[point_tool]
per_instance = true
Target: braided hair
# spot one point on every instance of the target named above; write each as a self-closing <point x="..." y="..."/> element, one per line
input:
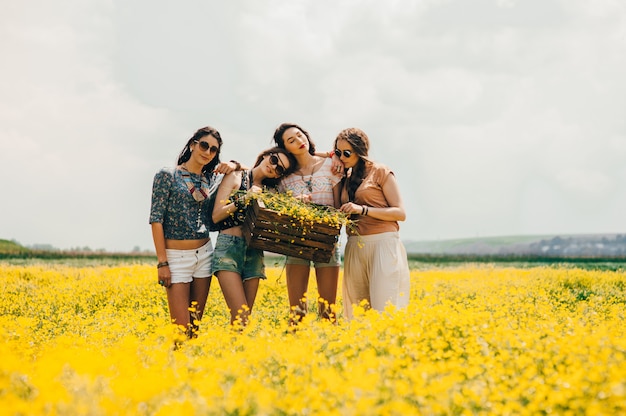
<point x="360" y="145"/>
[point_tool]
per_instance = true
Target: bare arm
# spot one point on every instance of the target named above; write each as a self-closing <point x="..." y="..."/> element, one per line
<point x="223" y="207"/>
<point x="324" y="154"/>
<point x="158" y="236"/>
<point x="395" y="211"/>
<point x="229" y="167"/>
<point x="337" y="168"/>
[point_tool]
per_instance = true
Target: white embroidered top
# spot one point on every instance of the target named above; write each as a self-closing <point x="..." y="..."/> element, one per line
<point x="319" y="185"/>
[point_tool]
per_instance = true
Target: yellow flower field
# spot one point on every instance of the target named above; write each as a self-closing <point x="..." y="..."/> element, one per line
<point x="475" y="340"/>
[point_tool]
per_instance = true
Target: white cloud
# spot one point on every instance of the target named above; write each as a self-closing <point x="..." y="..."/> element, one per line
<point x="81" y="145"/>
<point x="481" y="108"/>
<point x="585" y="183"/>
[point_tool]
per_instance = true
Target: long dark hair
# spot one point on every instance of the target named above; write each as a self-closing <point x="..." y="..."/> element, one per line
<point x="273" y="182"/>
<point x="280" y="130"/>
<point x="185" y="154"/>
<point x="361" y="145"/>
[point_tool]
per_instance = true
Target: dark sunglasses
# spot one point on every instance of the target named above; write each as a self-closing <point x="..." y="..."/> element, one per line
<point x="278" y="164"/>
<point x="346" y="153"/>
<point x="204" y="146"/>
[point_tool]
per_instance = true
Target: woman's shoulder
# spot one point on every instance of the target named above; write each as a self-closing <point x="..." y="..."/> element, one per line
<point x="166" y="172"/>
<point x="380" y="166"/>
<point x="380" y="170"/>
<point x="325" y="164"/>
<point x="326" y="161"/>
<point x="232" y="178"/>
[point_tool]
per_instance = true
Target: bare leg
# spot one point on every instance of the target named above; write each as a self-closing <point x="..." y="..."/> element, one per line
<point x="297" y="285"/>
<point x="200" y="293"/>
<point x="232" y="288"/>
<point x="250" y="288"/>
<point x="178" y="301"/>
<point x="327" y="278"/>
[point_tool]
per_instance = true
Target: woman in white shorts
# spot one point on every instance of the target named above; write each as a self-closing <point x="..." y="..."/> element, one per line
<point x="182" y="199"/>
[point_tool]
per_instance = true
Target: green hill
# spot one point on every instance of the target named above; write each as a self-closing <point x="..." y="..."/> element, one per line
<point x="581" y="246"/>
<point x="470" y="244"/>
<point x="11" y="247"/>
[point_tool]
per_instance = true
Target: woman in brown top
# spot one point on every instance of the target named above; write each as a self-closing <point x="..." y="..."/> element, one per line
<point x="376" y="268"/>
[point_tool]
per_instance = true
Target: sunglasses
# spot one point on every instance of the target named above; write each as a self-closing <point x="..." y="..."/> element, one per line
<point x="346" y="153"/>
<point x="279" y="168"/>
<point x="204" y="146"/>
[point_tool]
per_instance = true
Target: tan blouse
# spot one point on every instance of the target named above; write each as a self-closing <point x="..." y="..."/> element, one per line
<point x="370" y="193"/>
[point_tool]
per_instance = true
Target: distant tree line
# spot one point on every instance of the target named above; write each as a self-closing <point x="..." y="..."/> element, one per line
<point x="614" y="246"/>
<point x="13" y="249"/>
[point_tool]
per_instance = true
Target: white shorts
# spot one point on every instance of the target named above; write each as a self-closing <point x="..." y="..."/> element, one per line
<point x="186" y="265"/>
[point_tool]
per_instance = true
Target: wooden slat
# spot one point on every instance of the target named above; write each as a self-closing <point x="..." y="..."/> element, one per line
<point x="261" y="213"/>
<point x="265" y="230"/>
<point x="292" y="232"/>
<point x="308" y="253"/>
<point x="290" y="239"/>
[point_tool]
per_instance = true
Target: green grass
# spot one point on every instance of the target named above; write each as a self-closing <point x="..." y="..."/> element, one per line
<point x="14" y="253"/>
<point x="426" y="261"/>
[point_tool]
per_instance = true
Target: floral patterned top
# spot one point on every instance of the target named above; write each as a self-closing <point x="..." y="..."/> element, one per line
<point x="175" y="208"/>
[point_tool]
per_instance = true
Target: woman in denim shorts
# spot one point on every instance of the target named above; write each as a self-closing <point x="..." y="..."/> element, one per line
<point x="239" y="268"/>
<point x="182" y="198"/>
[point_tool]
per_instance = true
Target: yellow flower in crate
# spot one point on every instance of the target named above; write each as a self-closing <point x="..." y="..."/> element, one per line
<point x="282" y="224"/>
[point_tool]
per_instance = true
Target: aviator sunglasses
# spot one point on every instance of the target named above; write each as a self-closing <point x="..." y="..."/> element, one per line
<point x="346" y="153"/>
<point x="278" y="164"/>
<point x="204" y="146"/>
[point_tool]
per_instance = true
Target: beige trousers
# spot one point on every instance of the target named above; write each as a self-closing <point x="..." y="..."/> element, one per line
<point x="376" y="269"/>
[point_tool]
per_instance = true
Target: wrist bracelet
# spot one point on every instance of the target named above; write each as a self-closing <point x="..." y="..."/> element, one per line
<point x="162" y="264"/>
<point x="240" y="201"/>
<point x="362" y="209"/>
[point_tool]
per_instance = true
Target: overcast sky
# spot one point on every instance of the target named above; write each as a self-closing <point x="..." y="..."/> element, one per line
<point x="499" y="117"/>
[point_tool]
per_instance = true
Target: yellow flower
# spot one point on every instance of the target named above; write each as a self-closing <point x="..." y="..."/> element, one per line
<point x="473" y="340"/>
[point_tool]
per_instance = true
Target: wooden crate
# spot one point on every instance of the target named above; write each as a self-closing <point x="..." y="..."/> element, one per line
<point x="264" y="229"/>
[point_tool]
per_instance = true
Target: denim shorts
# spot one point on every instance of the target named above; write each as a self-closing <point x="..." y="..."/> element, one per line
<point x="233" y="255"/>
<point x="186" y="265"/>
<point x="333" y="262"/>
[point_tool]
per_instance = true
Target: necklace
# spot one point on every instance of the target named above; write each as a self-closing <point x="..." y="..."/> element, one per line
<point x="200" y="194"/>
<point x="308" y="182"/>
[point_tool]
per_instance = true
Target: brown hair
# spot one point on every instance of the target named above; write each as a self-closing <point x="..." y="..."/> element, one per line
<point x="273" y="182"/>
<point x="361" y="145"/>
<point x="185" y="154"/>
<point x="280" y="130"/>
